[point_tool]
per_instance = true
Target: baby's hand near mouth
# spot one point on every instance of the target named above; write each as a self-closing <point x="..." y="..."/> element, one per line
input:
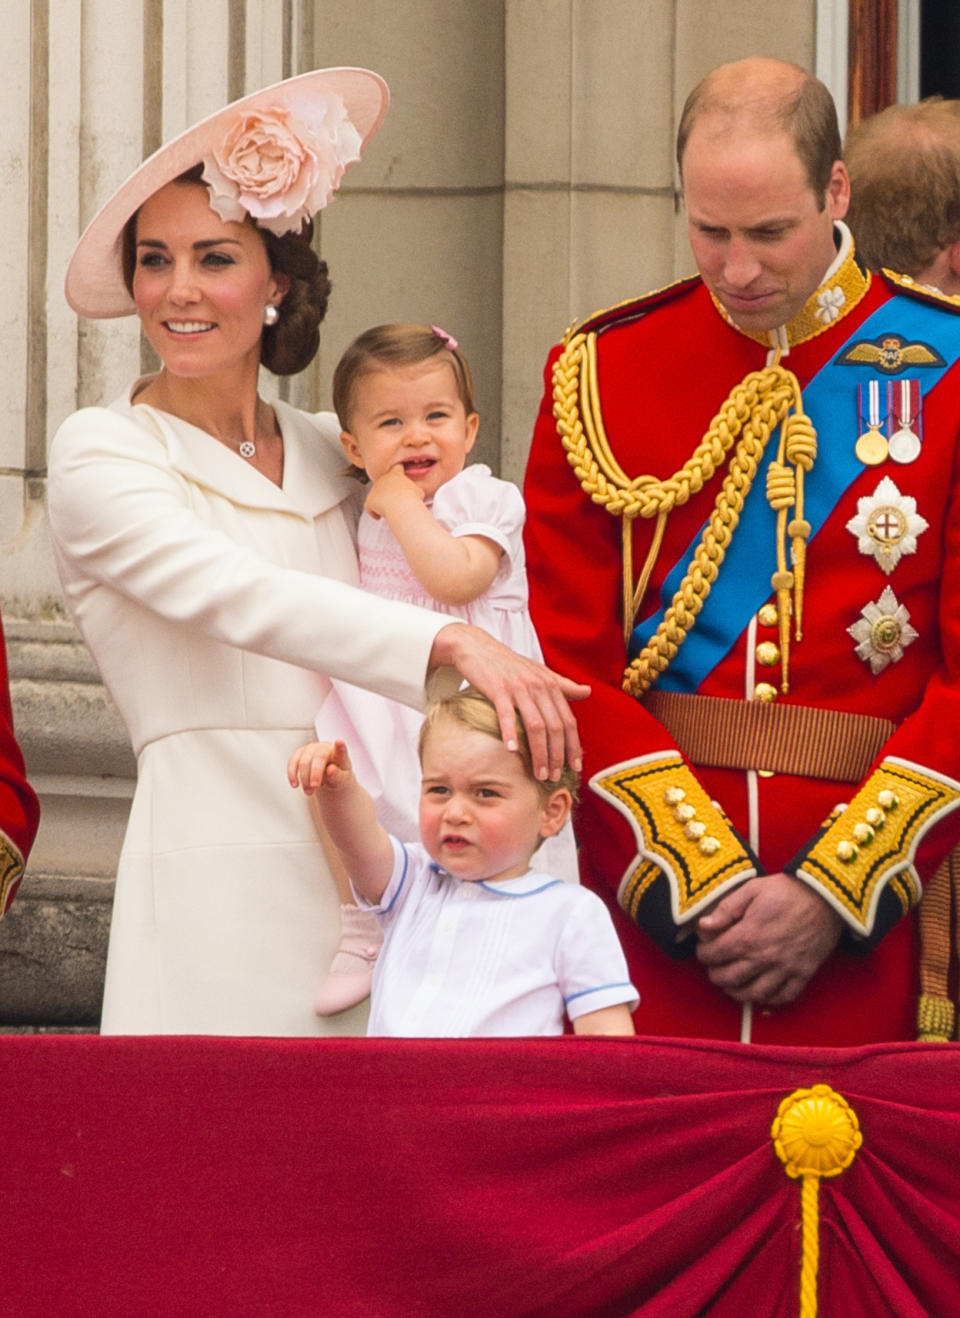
<point x="390" y="491"/>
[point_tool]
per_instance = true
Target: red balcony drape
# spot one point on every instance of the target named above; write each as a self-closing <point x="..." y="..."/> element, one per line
<point x="562" y="1178"/>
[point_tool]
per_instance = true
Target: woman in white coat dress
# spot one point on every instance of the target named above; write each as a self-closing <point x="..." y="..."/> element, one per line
<point x="205" y="544"/>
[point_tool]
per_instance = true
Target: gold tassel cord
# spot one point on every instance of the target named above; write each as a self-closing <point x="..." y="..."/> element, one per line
<point x="939" y="923"/>
<point x="816" y="1136"/>
<point x="796" y="454"/>
<point x="750" y="414"/>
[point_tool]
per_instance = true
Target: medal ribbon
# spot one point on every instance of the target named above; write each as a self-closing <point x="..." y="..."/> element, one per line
<point x="904" y="413"/>
<point x="873" y="403"/>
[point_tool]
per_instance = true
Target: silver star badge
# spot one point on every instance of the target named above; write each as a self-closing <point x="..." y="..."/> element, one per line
<point x="887" y="525"/>
<point x="882" y="632"/>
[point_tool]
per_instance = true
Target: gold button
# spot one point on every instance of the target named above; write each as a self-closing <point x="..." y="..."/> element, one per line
<point x="767" y="616"/>
<point x="768" y="653"/>
<point x="765" y="693"/>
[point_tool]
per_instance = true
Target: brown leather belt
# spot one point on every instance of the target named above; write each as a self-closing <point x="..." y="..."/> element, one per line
<point x="715" y="732"/>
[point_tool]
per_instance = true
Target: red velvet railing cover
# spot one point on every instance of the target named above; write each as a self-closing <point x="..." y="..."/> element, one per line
<point x="566" y="1178"/>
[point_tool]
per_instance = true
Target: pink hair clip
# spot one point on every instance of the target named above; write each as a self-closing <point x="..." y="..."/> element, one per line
<point x="447" y="339"/>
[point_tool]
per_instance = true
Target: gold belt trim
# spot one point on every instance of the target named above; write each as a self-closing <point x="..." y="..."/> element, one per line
<point x="716" y="732"/>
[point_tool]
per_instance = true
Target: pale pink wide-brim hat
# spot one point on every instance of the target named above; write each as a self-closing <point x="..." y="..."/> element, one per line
<point x="276" y="155"/>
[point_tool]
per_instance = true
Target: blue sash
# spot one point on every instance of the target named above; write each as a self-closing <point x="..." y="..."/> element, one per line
<point x="743" y="582"/>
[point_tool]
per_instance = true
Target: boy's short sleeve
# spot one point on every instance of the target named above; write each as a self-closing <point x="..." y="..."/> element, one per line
<point x="398" y="885"/>
<point x="591" y="968"/>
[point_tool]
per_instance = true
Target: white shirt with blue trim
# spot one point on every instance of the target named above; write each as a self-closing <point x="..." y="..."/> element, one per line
<point x="469" y="959"/>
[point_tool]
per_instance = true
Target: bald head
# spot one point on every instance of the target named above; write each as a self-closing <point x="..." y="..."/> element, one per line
<point x="762" y="97"/>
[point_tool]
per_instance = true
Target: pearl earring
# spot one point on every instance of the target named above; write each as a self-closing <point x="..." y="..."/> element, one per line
<point x="270" y="314"/>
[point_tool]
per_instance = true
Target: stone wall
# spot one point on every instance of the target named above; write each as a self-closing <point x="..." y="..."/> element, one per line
<point x="524" y="177"/>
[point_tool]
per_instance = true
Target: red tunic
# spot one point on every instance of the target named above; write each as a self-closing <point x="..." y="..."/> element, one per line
<point x="664" y="368"/>
<point x="19" y="811"/>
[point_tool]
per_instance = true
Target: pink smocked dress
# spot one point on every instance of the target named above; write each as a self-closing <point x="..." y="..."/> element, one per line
<point x="381" y="734"/>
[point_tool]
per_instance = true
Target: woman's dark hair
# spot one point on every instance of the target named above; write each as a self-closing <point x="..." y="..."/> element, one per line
<point x="291" y="344"/>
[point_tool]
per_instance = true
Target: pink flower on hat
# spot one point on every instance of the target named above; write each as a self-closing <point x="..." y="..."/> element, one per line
<point x="274" y="167"/>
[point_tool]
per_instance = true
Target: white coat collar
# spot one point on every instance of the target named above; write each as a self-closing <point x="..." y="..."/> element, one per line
<point x="314" y="464"/>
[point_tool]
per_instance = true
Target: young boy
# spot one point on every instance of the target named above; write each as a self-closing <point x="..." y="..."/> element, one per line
<point x="475" y="942"/>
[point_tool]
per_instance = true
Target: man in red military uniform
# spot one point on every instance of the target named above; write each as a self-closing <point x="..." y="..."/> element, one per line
<point x="19" y="812"/>
<point x="743" y="530"/>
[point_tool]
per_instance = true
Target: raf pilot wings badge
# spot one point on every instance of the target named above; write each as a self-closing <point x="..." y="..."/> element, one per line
<point x="890" y="354"/>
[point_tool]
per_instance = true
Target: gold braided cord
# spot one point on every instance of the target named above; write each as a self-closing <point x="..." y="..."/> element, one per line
<point x="810" y="1247"/>
<point x="750" y="414"/>
<point x="579" y="417"/>
<point x="796" y="454"/>
<point x="576" y="407"/>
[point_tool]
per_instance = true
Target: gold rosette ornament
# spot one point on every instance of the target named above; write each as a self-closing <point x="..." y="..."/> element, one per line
<point x="815" y="1133"/>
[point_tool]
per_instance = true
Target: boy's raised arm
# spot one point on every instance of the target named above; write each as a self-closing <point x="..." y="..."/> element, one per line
<point x="348" y="813"/>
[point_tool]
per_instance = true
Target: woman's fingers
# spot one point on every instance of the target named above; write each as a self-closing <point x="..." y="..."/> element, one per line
<point x="513" y="683"/>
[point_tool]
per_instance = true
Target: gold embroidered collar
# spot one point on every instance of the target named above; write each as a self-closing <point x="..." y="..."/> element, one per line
<point x="843" y="287"/>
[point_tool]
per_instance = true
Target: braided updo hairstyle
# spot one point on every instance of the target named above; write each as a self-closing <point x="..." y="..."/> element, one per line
<point x="291" y="344"/>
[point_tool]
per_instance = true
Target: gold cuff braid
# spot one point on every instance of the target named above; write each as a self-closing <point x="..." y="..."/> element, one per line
<point x="680" y="833"/>
<point x="868" y="845"/>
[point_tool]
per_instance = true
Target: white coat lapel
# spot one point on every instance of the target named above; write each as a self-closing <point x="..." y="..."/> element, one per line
<point x="315" y="467"/>
<point x="312" y="482"/>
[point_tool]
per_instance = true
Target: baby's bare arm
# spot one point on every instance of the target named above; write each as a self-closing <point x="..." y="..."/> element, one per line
<point x="453" y="569"/>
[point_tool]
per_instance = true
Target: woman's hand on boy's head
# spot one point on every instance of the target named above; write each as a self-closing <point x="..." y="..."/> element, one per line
<point x="319" y="764"/>
<point x="390" y="490"/>
<point x="515" y="684"/>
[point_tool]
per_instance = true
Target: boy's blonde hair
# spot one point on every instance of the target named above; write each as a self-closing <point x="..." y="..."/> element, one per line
<point x="396" y="345"/>
<point x="473" y="710"/>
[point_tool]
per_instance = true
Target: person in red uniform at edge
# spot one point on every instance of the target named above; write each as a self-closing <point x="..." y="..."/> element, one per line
<point x="743" y="531"/>
<point x="19" y="811"/>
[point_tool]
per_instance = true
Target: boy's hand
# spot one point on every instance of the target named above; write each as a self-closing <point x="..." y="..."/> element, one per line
<point x="390" y="489"/>
<point x="319" y="764"/>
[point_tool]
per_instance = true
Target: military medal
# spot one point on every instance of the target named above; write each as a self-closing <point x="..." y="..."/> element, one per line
<point x="871" y="447"/>
<point x="882" y="632"/>
<point x="905" y="408"/>
<point x="887" y="525"/>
